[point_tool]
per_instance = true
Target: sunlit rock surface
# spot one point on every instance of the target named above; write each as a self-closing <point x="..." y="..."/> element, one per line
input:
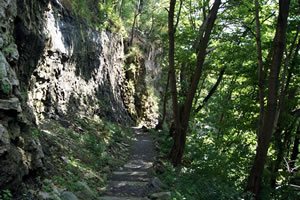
<point x="77" y="72"/>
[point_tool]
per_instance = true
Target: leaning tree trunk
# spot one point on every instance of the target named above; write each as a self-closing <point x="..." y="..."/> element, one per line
<point x="184" y="115"/>
<point x="281" y="146"/>
<point x="267" y="128"/>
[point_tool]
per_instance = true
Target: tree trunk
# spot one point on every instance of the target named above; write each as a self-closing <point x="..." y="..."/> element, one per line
<point x="136" y="14"/>
<point x="261" y="78"/>
<point x="132" y="28"/>
<point x="281" y="146"/>
<point x="173" y="85"/>
<point x="266" y="130"/>
<point x="199" y="63"/>
<point x="182" y="125"/>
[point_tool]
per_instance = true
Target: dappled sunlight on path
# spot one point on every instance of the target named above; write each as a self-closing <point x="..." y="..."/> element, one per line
<point x="133" y="180"/>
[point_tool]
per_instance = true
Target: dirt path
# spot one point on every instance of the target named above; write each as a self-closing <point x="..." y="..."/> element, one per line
<point x="133" y="180"/>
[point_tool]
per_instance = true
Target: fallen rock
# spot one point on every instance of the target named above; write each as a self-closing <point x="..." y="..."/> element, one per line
<point x="157" y="184"/>
<point x="161" y="196"/>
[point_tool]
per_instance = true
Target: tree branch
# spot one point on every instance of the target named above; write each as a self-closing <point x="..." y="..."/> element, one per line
<point x="178" y="16"/>
<point x="212" y="90"/>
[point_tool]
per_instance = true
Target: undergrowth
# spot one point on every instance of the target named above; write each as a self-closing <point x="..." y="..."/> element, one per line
<point x="99" y="15"/>
<point x="84" y="150"/>
<point x="212" y="169"/>
<point x="200" y="176"/>
<point x="6" y="195"/>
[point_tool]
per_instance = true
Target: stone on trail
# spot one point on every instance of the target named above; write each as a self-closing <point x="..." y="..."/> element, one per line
<point x="122" y="198"/>
<point x="117" y="184"/>
<point x="157" y="184"/>
<point x="161" y="196"/>
<point x="130" y="173"/>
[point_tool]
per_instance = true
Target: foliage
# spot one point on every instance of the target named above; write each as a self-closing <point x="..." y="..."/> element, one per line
<point x="81" y="8"/>
<point x="213" y="169"/>
<point x="209" y="171"/>
<point x="86" y="150"/>
<point x="111" y="20"/>
<point x="5" y="195"/>
<point x="99" y="15"/>
<point x="35" y="132"/>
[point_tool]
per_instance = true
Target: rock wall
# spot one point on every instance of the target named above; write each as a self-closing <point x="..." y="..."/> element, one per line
<point x="20" y="153"/>
<point x="53" y="65"/>
<point x="69" y="69"/>
<point x="141" y="88"/>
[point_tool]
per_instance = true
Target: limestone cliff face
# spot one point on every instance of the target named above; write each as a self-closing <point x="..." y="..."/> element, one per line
<point x="69" y="68"/>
